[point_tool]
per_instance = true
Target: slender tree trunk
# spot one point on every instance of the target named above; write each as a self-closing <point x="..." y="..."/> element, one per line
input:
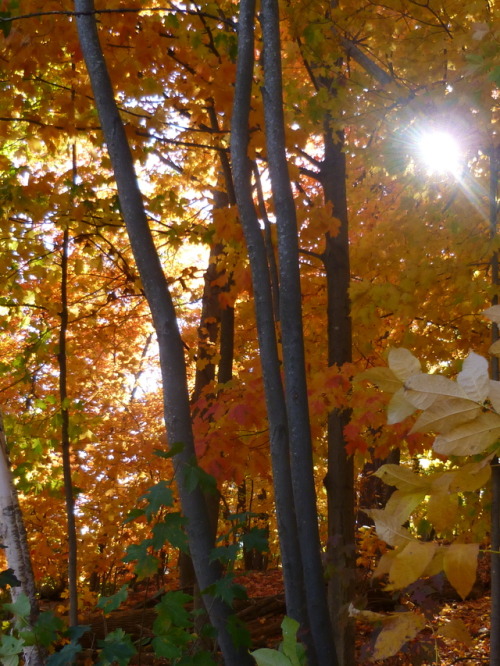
<point x="62" y="358"/>
<point x="495" y="468"/>
<point x="176" y="397"/>
<point x="264" y="310"/>
<point x="14" y="539"/>
<point x="292" y="339"/>
<point x="340" y="477"/>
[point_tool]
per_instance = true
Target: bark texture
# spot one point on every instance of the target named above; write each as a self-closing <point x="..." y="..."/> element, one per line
<point x="340" y="478"/>
<point x="13" y="537"/>
<point x="176" y="397"/>
<point x="264" y="310"/>
<point x="301" y="460"/>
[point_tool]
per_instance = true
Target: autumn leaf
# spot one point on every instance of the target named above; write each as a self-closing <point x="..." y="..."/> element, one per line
<point x="423" y="390"/>
<point x="474" y="377"/>
<point x="471" y="476"/>
<point x="410" y="563"/>
<point x="442" y="510"/>
<point x="471" y="438"/>
<point x="493" y="313"/>
<point x="403" y="363"/>
<point x="494" y="395"/>
<point x="384" y="378"/>
<point x="460" y="566"/>
<point x="401" y="476"/>
<point x="389" y="527"/>
<point x="456" y="629"/>
<point x="399" y="407"/>
<point x="494" y="349"/>
<point x="398" y="629"/>
<point x="446" y="414"/>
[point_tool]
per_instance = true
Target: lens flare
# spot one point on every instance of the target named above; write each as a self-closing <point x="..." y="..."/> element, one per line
<point x="440" y="152"/>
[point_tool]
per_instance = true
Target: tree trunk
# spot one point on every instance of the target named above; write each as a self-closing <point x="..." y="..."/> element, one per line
<point x="264" y="310"/>
<point x="177" y="410"/>
<point x="340" y="478"/>
<point x="292" y="339"/>
<point x="65" y="438"/>
<point x="13" y="537"/>
<point x="495" y="469"/>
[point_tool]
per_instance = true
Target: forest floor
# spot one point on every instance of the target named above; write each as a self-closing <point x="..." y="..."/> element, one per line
<point x="263" y="613"/>
<point x="426" y="649"/>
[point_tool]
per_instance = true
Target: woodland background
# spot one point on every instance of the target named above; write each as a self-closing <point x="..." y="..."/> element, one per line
<point x="393" y="256"/>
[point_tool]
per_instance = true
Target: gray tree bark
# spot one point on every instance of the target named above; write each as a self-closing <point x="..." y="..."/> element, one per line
<point x="264" y="310"/>
<point x="301" y="460"/>
<point x="176" y="397"/>
<point x="13" y="537"/>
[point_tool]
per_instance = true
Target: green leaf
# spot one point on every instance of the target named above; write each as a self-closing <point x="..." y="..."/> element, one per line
<point x="239" y="632"/>
<point x="195" y="476"/>
<point x="21" y="607"/>
<point x="268" y="657"/>
<point x="8" y="577"/>
<point x="109" y="604"/>
<point x="10" y="649"/>
<point x="226" y="589"/>
<point x="66" y="656"/>
<point x="256" y="538"/>
<point x="117" y="648"/>
<point x="203" y="658"/>
<point x="171" y="645"/>
<point x="75" y="633"/>
<point x="225" y="554"/>
<point x="172" y="606"/>
<point x="157" y="497"/>
<point x="147" y="564"/>
<point x="46" y="629"/>
<point x="133" y="514"/>
<point x="177" y="447"/>
<point x="289" y="627"/>
<point x="171" y="530"/>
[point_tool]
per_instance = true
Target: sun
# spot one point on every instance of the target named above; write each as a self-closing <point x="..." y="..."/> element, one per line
<point x="440" y="152"/>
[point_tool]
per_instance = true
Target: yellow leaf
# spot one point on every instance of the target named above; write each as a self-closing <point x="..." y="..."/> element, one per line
<point x="384" y="564"/>
<point x="79" y="267"/>
<point x="494" y="394"/>
<point x="423" y="390"/>
<point x="471" y="477"/>
<point x="435" y="566"/>
<point x="366" y="615"/>
<point x="494" y="349"/>
<point x="398" y="630"/>
<point x="410" y="563"/>
<point x="456" y="629"/>
<point x="460" y="566"/>
<point x="471" y="438"/>
<point x="493" y="313"/>
<point x="388" y="527"/>
<point x="384" y="378"/>
<point x="446" y="414"/>
<point x="399" y="408"/>
<point x="474" y="377"/>
<point x="402" y="504"/>
<point x="401" y="477"/>
<point x="403" y="363"/>
<point x="442" y="510"/>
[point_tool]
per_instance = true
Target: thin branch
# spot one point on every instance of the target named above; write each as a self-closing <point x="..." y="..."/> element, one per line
<point x="123" y="10"/>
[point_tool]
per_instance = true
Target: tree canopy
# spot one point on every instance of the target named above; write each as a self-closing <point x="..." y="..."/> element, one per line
<point x="298" y="237"/>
